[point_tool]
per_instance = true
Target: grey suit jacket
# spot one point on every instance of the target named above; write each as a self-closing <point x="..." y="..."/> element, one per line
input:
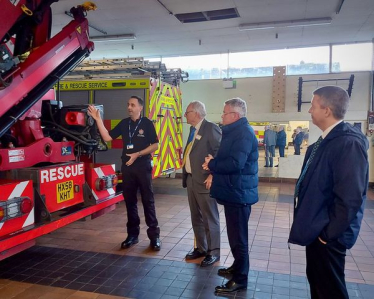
<point x="210" y="139"/>
<point x="270" y="137"/>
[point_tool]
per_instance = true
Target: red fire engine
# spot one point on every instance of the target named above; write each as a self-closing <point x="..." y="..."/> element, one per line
<point x="44" y="182"/>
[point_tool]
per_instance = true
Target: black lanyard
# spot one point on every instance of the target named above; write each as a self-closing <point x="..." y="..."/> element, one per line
<point x="132" y="135"/>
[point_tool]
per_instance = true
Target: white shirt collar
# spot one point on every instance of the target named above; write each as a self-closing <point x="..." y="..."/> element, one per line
<point x="197" y="127"/>
<point x="329" y="129"/>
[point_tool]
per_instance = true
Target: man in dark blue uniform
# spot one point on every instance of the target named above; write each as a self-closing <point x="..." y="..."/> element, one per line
<point x="139" y="141"/>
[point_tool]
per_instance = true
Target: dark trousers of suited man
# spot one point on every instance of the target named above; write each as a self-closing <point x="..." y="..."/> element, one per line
<point x="204" y="218"/>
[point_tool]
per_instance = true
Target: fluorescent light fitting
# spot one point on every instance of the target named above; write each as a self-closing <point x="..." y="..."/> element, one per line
<point x="289" y="24"/>
<point x="113" y="38"/>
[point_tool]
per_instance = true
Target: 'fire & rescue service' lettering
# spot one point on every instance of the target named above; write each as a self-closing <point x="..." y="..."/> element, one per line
<point x="59" y="173"/>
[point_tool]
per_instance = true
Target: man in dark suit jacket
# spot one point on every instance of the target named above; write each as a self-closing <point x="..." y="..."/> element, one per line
<point x="281" y="141"/>
<point x="330" y="194"/>
<point x="298" y="140"/>
<point x="204" y="139"/>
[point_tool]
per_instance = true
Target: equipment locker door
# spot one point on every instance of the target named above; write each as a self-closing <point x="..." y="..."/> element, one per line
<point x="76" y="97"/>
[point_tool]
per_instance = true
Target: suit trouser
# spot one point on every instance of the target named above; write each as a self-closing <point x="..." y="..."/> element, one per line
<point x="237" y="232"/>
<point x="204" y="218"/>
<point x="269" y="155"/>
<point x="281" y="151"/>
<point x="136" y="177"/>
<point x="297" y="149"/>
<point x="325" y="270"/>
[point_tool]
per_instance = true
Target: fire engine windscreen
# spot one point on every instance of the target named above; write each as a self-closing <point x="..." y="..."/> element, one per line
<point x="72" y="123"/>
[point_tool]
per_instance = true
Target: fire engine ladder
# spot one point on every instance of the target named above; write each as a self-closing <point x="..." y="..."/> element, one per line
<point x="126" y="68"/>
<point x="110" y="68"/>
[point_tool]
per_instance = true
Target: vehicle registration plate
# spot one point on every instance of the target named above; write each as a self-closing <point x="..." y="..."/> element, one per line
<point x="65" y="191"/>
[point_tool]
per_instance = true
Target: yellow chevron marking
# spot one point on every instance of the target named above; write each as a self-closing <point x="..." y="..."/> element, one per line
<point x="171" y="160"/>
<point x="167" y="100"/>
<point x="158" y="167"/>
<point x="163" y="153"/>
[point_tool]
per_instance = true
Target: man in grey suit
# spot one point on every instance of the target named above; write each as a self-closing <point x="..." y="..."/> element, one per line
<point x="270" y="140"/>
<point x="204" y="139"/>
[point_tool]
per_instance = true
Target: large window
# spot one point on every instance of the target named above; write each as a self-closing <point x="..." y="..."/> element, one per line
<point x="354" y="57"/>
<point x="298" y="61"/>
<point x="315" y="60"/>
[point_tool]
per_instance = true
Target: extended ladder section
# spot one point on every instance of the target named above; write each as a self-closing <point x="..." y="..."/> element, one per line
<point x="126" y="68"/>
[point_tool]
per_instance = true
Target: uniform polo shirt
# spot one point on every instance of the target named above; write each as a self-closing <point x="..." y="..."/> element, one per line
<point x="143" y="135"/>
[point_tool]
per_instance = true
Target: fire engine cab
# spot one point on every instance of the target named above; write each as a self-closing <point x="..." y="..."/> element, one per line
<point x="45" y="181"/>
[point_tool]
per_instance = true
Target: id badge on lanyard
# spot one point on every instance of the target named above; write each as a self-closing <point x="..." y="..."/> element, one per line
<point x="131" y="145"/>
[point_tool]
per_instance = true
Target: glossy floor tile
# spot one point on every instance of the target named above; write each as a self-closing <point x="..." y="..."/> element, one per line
<point x="85" y="259"/>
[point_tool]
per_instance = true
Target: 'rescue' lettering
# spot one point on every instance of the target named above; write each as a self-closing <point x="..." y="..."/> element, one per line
<point x="59" y="173"/>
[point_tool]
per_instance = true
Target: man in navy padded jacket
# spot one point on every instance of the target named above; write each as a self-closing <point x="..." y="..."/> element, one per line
<point x="330" y="194"/>
<point x="234" y="186"/>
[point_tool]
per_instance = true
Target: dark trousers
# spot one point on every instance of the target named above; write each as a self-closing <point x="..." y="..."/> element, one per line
<point x="297" y="149"/>
<point x="237" y="232"/>
<point x="139" y="176"/>
<point x="281" y="151"/>
<point x="325" y="270"/>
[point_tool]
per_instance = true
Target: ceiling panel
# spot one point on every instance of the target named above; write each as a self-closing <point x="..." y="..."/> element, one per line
<point x="182" y="6"/>
<point x="161" y="34"/>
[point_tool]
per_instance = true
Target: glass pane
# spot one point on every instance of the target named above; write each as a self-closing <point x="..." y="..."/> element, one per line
<point x="354" y="57"/>
<point x="298" y="61"/>
<point x="200" y="67"/>
<point x="308" y="60"/>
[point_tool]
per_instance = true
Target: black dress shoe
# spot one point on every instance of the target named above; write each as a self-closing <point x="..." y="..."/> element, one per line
<point x="209" y="260"/>
<point x="230" y="286"/>
<point x="226" y="271"/>
<point x="156" y="244"/>
<point x="129" y="242"/>
<point x="195" y="254"/>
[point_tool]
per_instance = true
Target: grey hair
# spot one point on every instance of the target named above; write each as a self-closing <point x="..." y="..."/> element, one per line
<point x="239" y="106"/>
<point x="199" y="107"/>
<point x="335" y="98"/>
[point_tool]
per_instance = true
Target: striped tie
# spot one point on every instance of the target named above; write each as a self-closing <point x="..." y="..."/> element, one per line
<point x="189" y="144"/>
<point x="303" y="173"/>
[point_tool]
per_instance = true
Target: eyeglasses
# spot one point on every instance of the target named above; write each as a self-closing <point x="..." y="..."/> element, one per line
<point x="188" y="112"/>
<point x="225" y="113"/>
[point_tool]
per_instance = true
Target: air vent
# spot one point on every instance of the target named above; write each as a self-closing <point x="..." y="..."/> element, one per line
<point x="211" y="15"/>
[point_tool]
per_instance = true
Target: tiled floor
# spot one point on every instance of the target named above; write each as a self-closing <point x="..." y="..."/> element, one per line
<point x="84" y="259"/>
<point x="272" y="172"/>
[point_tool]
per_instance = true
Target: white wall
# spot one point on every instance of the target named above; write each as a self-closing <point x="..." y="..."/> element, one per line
<point x="257" y="92"/>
